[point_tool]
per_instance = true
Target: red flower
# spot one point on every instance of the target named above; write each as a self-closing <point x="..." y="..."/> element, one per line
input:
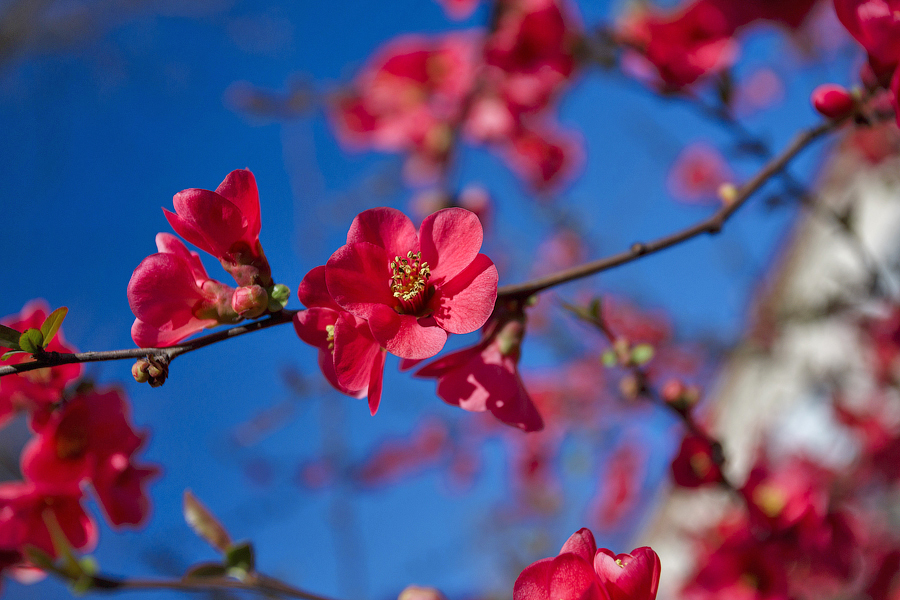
<point x="41" y="387"/>
<point x="632" y="576"/>
<point x="225" y="223"/>
<point x="90" y="438"/>
<point x="832" y="100"/>
<point x="694" y="466"/>
<point x="414" y="289"/>
<point x="23" y="506"/>
<point x="486" y="376"/>
<point x="582" y="572"/>
<point x="876" y="25"/>
<point x="350" y="358"/>
<point x="172" y="296"/>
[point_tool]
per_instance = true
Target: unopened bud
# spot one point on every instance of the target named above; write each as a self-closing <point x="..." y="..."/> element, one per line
<point x="415" y="592"/>
<point x="833" y="101"/>
<point x="279" y="295"/>
<point x="622" y="348"/>
<point x="250" y="301"/>
<point x="728" y="193"/>
<point x="139" y="370"/>
<point x="152" y="370"/>
<point x="630" y="387"/>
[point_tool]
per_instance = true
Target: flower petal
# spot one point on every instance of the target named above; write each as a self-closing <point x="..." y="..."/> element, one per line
<point x="239" y="187"/>
<point x="450" y="240"/>
<point x="581" y="543"/>
<point x="376" y="379"/>
<point x="465" y="302"/>
<point x="216" y="220"/>
<point x="354" y="352"/>
<point x="403" y="336"/>
<point x="358" y="277"/>
<point x="313" y="291"/>
<point x="310" y="325"/>
<point x="387" y="228"/>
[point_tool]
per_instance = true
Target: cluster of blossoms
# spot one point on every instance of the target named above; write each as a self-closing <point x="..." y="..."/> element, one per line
<point x="583" y="572"/>
<point x="697" y="39"/>
<point x="170" y="293"/>
<point x="82" y="439"/>
<point x="418" y="94"/>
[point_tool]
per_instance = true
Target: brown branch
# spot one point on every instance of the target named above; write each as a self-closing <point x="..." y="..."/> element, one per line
<point x="711" y="225"/>
<point x="53" y="359"/>
<point x="260" y="584"/>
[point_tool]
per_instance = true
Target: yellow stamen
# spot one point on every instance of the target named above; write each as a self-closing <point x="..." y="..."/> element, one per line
<point x="409" y="280"/>
<point x="329" y="330"/>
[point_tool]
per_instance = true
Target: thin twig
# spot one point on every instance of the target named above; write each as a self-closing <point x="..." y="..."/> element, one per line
<point x="53" y="359"/>
<point x="260" y="584"/>
<point x="711" y="225"/>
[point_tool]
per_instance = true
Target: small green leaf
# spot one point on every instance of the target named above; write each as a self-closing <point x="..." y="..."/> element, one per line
<point x="207" y="570"/>
<point x="609" y="359"/>
<point x="240" y="560"/>
<point x="205" y="524"/>
<point x="642" y="354"/>
<point x="61" y="545"/>
<point x="39" y="558"/>
<point x="9" y="337"/>
<point x="8" y="354"/>
<point x="279" y="295"/>
<point x="31" y="341"/>
<point x="51" y="324"/>
<point x="595" y="309"/>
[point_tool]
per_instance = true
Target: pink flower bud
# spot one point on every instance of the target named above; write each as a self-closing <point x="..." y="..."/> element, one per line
<point x="250" y="301"/>
<point x="832" y="101"/>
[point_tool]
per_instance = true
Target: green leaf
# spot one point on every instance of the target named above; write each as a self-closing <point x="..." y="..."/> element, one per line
<point x="279" y="295"/>
<point x="9" y="337"/>
<point x="8" y="354"/>
<point x="609" y="359"/>
<point x="205" y="524"/>
<point x="642" y="354"/>
<point x="31" y="341"/>
<point x="595" y="309"/>
<point x="51" y="324"/>
<point x="206" y="570"/>
<point x="39" y="558"/>
<point x="240" y="560"/>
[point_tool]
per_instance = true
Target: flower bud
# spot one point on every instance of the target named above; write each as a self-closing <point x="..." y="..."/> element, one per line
<point x="139" y="370"/>
<point x="833" y="101"/>
<point x="415" y="592"/>
<point x="250" y="301"/>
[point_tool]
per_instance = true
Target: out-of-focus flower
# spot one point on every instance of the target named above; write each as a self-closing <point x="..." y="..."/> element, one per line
<point x="875" y="24"/>
<point x="832" y="100"/>
<point x="42" y="387"/>
<point x="414" y="288"/>
<point x="697" y="174"/>
<point x="543" y="157"/>
<point x="458" y="9"/>
<point x="350" y="358"/>
<point x="24" y="508"/>
<point x="486" y="377"/>
<point x="90" y="439"/>
<point x="695" y="465"/>
<point x="172" y="297"/>
<point x="226" y="224"/>
<point x="582" y="572"/>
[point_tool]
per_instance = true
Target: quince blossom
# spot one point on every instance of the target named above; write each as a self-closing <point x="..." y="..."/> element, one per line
<point x="350" y="358"/>
<point x="582" y="572"/>
<point x="486" y="376"/>
<point x="172" y="297"/>
<point x="414" y="288"/>
<point x="226" y="224"/>
<point x="42" y="387"/>
<point x="91" y="439"/>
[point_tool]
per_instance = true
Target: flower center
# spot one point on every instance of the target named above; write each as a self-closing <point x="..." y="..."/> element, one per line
<point x="409" y="281"/>
<point x="329" y="331"/>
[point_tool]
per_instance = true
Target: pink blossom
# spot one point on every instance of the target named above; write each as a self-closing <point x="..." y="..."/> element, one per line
<point x="414" y="288"/>
<point x="697" y="174"/>
<point x="42" y="387"/>
<point x="486" y="376"/>
<point x="350" y="358"/>
<point x="832" y="100"/>
<point x="695" y="466"/>
<point x="90" y="439"/>
<point x="459" y="9"/>
<point x="22" y="521"/>
<point x="172" y="297"/>
<point x="226" y="224"/>
<point x="582" y="572"/>
<point x="875" y="24"/>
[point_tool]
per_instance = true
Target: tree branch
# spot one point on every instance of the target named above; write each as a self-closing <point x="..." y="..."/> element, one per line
<point x="260" y="584"/>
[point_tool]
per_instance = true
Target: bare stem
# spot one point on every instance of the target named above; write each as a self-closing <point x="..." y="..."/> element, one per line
<point x="260" y="584"/>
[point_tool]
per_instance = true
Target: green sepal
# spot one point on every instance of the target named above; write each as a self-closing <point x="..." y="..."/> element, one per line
<point x="31" y="341"/>
<point x="595" y="309"/>
<point x="51" y="324"/>
<point x="240" y="560"/>
<point x="85" y="582"/>
<point x="642" y="354"/>
<point x="206" y="570"/>
<point x="9" y="337"/>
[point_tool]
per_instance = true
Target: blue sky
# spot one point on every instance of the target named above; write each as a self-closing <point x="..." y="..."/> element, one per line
<point x="101" y="131"/>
